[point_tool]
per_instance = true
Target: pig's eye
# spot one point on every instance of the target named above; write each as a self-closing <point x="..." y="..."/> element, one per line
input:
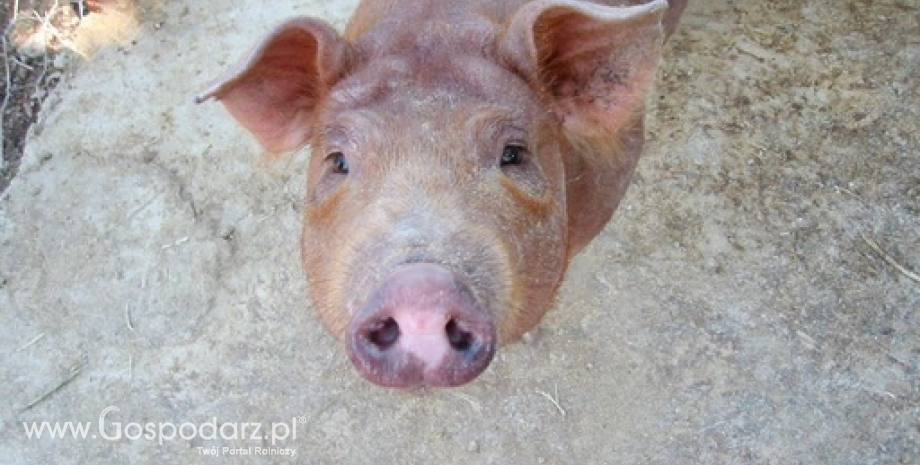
<point x="513" y="155"/>
<point x="338" y="162"/>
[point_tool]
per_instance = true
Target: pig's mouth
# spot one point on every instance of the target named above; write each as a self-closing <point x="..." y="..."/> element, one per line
<point x="421" y="327"/>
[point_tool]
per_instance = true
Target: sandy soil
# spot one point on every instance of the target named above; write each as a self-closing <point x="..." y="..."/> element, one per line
<point x="746" y="305"/>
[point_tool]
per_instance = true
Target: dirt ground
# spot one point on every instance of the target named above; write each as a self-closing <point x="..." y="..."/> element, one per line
<point x="26" y="78"/>
<point x="754" y="301"/>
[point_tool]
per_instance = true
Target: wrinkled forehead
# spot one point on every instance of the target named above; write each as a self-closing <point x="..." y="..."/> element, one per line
<point x="403" y="89"/>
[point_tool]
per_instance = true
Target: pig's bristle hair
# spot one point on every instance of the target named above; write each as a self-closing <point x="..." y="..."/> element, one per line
<point x="599" y="150"/>
<point x="336" y="318"/>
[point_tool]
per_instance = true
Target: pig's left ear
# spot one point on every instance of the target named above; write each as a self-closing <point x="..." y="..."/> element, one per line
<point x="274" y="91"/>
<point x="595" y="62"/>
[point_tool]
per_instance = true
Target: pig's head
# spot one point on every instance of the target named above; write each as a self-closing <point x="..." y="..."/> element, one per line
<point x="457" y="164"/>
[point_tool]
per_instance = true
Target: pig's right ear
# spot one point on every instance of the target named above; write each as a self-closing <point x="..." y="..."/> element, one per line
<point x="594" y="62"/>
<point x="274" y="91"/>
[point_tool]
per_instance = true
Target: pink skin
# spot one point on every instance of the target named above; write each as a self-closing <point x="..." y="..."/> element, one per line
<point x="462" y="154"/>
<point x="421" y="327"/>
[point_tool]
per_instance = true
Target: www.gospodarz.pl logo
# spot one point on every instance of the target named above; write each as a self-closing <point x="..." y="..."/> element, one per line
<point x="107" y="429"/>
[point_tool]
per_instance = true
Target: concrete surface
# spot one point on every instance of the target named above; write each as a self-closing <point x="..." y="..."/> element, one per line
<point x="734" y="311"/>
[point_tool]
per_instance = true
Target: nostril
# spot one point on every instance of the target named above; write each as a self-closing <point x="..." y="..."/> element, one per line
<point x="384" y="334"/>
<point x="460" y="340"/>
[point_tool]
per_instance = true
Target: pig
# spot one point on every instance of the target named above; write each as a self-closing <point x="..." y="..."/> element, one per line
<point x="462" y="152"/>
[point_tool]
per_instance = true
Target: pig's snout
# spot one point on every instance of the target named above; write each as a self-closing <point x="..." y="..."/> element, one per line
<point x="422" y="326"/>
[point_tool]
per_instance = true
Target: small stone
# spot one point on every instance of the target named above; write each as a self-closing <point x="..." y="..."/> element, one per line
<point x="473" y="446"/>
<point x="530" y="336"/>
<point x="60" y="60"/>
